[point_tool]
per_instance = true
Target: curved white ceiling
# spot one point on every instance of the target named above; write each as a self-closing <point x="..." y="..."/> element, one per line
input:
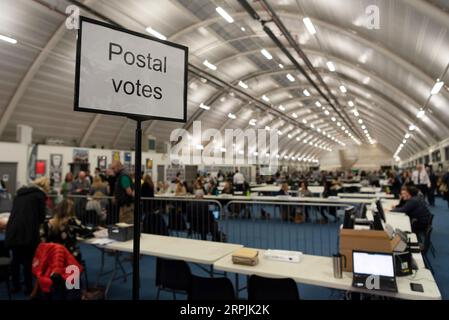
<point x="388" y="72"/>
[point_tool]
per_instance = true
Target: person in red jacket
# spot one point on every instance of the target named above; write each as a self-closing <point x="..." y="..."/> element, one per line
<point x="52" y="259"/>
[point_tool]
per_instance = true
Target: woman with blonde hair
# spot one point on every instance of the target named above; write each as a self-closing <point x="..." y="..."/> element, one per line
<point x="64" y="228"/>
<point x="180" y="189"/>
<point x="97" y="203"/>
<point x="99" y="186"/>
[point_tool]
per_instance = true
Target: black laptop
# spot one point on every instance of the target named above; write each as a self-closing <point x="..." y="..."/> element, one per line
<point x="373" y="271"/>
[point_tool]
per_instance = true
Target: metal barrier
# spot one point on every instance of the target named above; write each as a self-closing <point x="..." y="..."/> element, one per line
<point x="311" y="228"/>
<point x="308" y="227"/>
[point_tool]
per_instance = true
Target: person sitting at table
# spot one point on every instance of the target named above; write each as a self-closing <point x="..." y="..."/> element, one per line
<point x="212" y="189"/>
<point x="327" y="192"/>
<point x="201" y="219"/>
<point x="335" y="187"/>
<point x="238" y="180"/>
<point x="286" y="213"/>
<point x="415" y="208"/>
<point x="393" y="180"/>
<point x="284" y="190"/>
<point x="95" y="204"/>
<point x="180" y="189"/>
<point x="304" y="192"/>
<point x="64" y="228"/>
<point x="198" y="185"/>
<point x="227" y="188"/>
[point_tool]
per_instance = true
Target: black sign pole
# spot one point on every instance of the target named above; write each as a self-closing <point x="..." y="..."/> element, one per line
<point x="137" y="210"/>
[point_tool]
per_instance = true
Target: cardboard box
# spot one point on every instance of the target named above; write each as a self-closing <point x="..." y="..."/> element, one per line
<point x="365" y="240"/>
<point x="245" y="256"/>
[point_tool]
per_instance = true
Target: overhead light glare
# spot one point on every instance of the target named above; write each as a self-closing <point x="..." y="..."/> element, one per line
<point x="309" y="25"/>
<point x="156" y="33"/>
<point x="224" y="14"/>
<point x="210" y="65"/>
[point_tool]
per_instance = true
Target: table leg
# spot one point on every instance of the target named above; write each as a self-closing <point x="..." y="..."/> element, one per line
<point x="237" y="286"/>
<point x="211" y="270"/>
<point x="101" y="267"/>
<point x="114" y="270"/>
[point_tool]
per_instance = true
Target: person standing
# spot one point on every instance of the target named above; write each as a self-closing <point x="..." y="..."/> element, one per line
<point x="421" y="180"/>
<point x="80" y="189"/>
<point x="123" y="193"/>
<point x="22" y="231"/>
<point x="433" y="186"/>
<point x="147" y="191"/>
<point x="445" y="192"/>
<point x="99" y="186"/>
<point x="238" y="180"/>
<point x="67" y="185"/>
<point x="393" y="180"/>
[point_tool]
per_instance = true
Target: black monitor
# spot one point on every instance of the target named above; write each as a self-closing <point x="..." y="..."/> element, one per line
<point x="348" y="222"/>
<point x="377" y="225"/>
<point x="362" y="211"/>
<point x="380" y="210"/>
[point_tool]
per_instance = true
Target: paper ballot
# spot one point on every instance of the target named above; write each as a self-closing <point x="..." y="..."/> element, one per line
<point x="283" y="255"/>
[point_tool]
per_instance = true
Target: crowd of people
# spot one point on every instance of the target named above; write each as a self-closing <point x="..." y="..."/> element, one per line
<point x="35" y="219"/>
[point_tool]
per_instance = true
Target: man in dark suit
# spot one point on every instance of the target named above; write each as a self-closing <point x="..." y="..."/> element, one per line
<point x="415" y="207"/>
<point x="201" y="220"/>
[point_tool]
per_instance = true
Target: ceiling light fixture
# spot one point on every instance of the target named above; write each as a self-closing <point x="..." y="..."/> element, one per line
<point x="309" y="25"/>
<point x="266" y="54"/>
<point x="224" y="14"/>
<point x="210" y="65"/>
<point x="156" y="33"/>
<point x="203" y="106"/>
<point x="290" y="77"/>
<point x="243" y="85"/>
<point x="437" y="87"/>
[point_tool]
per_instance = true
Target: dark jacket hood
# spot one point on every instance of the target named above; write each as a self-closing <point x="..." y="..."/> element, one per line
<point x="28" y="189"/>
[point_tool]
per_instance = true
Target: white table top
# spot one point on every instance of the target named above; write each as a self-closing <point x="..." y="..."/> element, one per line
<point x="191" y="250"/>
<point x="349" y="185"/>
<point x="290" y="199"/>
<point x="267" y="188"/>
<point x="273" y="199"/>
<point x="366" y="195"/>
<point x="370" y="190"/>
<point x="318" y="271"/>
<point x="316" y="189"/>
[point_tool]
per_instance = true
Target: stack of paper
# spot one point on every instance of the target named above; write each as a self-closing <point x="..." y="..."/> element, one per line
<point x="283" y="255"/>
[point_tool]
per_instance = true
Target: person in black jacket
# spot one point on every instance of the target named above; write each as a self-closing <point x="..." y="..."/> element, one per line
<point x="147" y="191"/>
<point x="202" y="221"/>
<point x="395" y="184"/>
<point x="415" y="207"/>
<point x="22" y="232"/>
<point x="433" y="186"/>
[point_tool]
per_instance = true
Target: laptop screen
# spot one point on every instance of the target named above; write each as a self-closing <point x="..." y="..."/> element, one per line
<point x="373" y="264"/>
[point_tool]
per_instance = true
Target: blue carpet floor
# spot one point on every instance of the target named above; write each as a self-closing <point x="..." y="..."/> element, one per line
<point x="310" y="238"/>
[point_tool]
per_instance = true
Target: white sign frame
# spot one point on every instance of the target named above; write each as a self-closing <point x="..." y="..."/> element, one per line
<point x="154" y="115"/>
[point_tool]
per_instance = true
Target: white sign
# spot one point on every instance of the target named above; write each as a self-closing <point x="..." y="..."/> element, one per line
<point x="126" y="73"/>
